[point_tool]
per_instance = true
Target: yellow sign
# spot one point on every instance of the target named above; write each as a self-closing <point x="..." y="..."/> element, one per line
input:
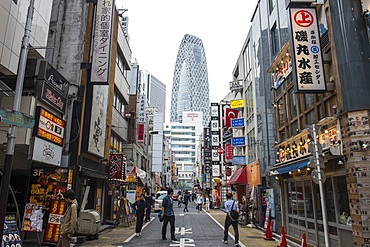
<point x="217" y="180"/>
<point x="237" y="103"/>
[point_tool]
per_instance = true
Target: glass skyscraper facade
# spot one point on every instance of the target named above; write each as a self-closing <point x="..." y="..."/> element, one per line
<point x="190" y="89"/>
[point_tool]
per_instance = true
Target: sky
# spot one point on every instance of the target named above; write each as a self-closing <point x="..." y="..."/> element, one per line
<point x="156" y="28"/>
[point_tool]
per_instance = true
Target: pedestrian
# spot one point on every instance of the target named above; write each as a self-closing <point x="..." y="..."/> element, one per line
<point x="149" y="202"/>
<point x="140" y="206"/>
<point x="69" y="221"/>
<point x="229" y="205"/>
<point x="187" y="198"/>
<point x="179" y="200"/>
<point x="200" y="201"/>
<point x="207" y="203"/>
<point x="168" y="215"/>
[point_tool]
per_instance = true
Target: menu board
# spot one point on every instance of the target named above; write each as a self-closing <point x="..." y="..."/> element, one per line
<point x="11" y="236"/>
<point x="33" y="218"/>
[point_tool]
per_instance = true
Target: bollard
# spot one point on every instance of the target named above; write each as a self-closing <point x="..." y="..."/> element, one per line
<point x="269" y="231"/>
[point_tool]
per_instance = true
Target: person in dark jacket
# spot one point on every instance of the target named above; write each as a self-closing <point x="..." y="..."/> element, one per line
<point x="168" y="215"/>
<point x="140" y="206"/>
<point x="186" y="200"/>
<point x="149" y="202"/>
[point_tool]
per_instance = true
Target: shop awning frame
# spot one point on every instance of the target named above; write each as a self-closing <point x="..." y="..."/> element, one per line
<point x="238" y="177"/>
<point x="290" y="168"/>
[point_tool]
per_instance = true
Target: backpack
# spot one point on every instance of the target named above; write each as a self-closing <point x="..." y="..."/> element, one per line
<point x="233" y="213"/>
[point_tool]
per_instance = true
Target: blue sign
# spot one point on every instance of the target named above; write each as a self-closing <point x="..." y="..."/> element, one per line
<point x="16" y="118"/>
<point x="239" y="160"/>
<point x="238" y="122"/>
<point x="238" y="141"/>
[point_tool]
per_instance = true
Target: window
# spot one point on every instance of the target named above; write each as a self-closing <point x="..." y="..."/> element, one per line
<point x="271" y="5"/>
<point x="311" y="117"/>
<point x="293" y="103"/>
<point x="118" y="102"/>
<point x="309" y="100"/>
<point x="274" y="40"/>
<point x="280" y="112"/>
<point x="121" y="64"/>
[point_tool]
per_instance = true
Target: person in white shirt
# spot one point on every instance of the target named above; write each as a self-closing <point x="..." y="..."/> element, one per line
<point x="230" y="204"/>
<point x="200" y="201"/>
<point x="208" y="202"/>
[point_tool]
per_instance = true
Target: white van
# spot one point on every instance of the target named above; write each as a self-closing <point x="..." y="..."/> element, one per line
<point x="158" y="200"/>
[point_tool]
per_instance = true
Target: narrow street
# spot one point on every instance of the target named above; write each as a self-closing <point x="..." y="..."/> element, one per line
<point x="192" y="229"/>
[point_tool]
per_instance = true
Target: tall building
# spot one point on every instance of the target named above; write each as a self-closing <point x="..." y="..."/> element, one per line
<point x="190" y="90"/>
<point x="157" y="94"/>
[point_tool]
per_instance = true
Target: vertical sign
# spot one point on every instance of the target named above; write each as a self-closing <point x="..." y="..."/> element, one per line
<point x="102" y="41"/>
<point x="308" y="67"/>
<point x="98" y="121"/>
<point x="52" y="231"/>
<point x="115" y="166"/>
<point x="229" y="151"/>
<point x="140" y="133"/>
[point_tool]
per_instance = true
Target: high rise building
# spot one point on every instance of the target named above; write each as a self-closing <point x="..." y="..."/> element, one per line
<point x="157" y="94"/>
<point x="190" y="90"/>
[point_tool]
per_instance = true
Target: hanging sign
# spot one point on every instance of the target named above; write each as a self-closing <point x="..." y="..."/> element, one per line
<point x="115" y="166"/>
<point x="308" y="66"/>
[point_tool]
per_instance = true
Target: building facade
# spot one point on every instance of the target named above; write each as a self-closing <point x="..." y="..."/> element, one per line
<point x="190" y="88"/>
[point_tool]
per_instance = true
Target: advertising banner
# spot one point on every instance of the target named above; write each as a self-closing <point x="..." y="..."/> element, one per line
<point x="49" y="126"/>
<point x="52" y="231"/>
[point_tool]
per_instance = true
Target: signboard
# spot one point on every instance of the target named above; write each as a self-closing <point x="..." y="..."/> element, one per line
<point x="141" y="111"/>
<point x="308" y="66"/>
<point x="215" y="140"/>
<point x="11" y="236"/>
<point x="52" y="231"/>
<point x="102" y="41"/>
<point x="140" y="133"/>
<point x="46" y="184"/>
<point x="53" y="97"/>
<point x="16" y="118"/>
<point x="131" y="195"/>
<point x="115" y="166"/>
<point x="238" y="141"/>
<point x="239" y="160"/>
<point x="215" y="156"/>
<point x="214" y="125"/>
<point x="49" y="127"/>
<point x="98" y="120"/>
<point x="237" y="103"/>
<point x="229" y="151"/>
<point x="214" y="110"/>
<point x="32" y="218"/>
<point x="215" y="170"/>
<point x="220" y="150"/>
<point x="236" y="85"/>
<point x="237" y="123"/>
<point x="47" y="152"/>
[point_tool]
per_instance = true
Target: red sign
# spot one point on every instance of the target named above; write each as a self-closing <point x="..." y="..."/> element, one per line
<point x="230" y="114"/>
<point x="57" y="210"/>
<point x="140" y="133"/>
<point x="229" y="152"/>
<point x="303" y="18"/>
<point x="115" y="165"/>
<point x="50" y="127"/>
<point x="220" y="150"/>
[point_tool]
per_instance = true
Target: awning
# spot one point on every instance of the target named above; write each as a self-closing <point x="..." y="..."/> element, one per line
<point x="239" y="177"/>
<point x="293" y="167"/>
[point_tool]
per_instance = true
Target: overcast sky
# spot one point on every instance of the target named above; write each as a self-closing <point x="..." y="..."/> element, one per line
<point x="156" y="28"/>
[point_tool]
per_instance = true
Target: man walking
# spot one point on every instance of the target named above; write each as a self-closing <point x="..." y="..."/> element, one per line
<point x="69" y="221"/>
<point x="149" y="202"/>
<point x="229" y="205"/>
<point x="168" y="215"/>
<point x="140" y="207"/>
<point x="186" y="200"/>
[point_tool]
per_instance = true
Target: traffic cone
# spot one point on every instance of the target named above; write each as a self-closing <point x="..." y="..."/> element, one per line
<point x="304" y="242"/>
<point x="283" y="238"/>
<point x="268" y="231"/>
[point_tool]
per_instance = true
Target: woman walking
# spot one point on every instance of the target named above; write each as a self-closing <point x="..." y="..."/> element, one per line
<point x="140" y="207"/>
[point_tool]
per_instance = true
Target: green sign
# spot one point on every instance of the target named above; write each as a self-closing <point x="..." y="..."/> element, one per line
<point x="16" y="118"/>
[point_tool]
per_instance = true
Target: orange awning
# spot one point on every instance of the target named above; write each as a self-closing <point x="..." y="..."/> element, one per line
<point x="239" y="177"/>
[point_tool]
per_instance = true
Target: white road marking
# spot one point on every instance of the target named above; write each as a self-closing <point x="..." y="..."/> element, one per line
<point x="133" y="235"/>
<point x="183" y="231"/>
<point x="222" y="227"/>
<point x="183" y="242"/>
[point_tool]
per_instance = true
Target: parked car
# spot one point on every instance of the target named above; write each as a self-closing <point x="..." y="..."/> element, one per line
<point x="158" y="200"/>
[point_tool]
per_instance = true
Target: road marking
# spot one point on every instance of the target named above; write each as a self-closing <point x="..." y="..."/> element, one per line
<point x="183" y="231"/>
<point x="134" y="234"/>
<point x="222" y="227"/>
<point x="182" y="215"/>
<point x="183" y="242"/>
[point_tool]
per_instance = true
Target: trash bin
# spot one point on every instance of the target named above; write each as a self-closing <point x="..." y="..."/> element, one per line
<point x="89" y="223"/>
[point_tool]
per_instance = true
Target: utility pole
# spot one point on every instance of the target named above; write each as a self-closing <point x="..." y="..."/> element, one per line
<point x="8" y="162"/>
<point x="318" y="176"/>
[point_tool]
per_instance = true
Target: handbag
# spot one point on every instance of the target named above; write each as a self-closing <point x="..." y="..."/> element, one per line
<point x="233" y="213"/>
<point x="160" y="216"/>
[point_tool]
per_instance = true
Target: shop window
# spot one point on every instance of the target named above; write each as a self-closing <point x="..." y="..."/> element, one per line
<point x="293" y="198"/>
<point x="299" y="199"/>
<point x="318" y="202"/>
<point x="293" y="104"/>
<point x="329" y="200"/>
<point x="311" y="225"/>
<point x="308" y="199"/>
<point x="333" y="230"/>
<point x="309" y="100"/>
<point x="302" y="223"/>
<point x="311" y="117"/>
<point x="280" y="112"/>
<point x="290" y="207"/>
<point x="342" y="198"/>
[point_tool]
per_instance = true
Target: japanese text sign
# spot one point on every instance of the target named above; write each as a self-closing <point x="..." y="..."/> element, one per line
<point x="115" y="166"/>
<point x="49" y="126"/>
<point x="52" y="231"/>
<point x="102" y="41"/>
<point x="308" y="66"/>
<point x="140" y="133"/>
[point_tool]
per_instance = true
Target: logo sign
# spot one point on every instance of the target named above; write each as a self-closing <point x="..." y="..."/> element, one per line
<point x="236" y="85"/>
<point x="237" y="123"/>
<point x="237" y="103"/>
<point x="49" y="126"/>
<point x="102" y="41"/>
<point x="215" y="170"/>
<point x="115" y="166"/>
<point x="52" y="231"/>
<point x="47" y="152"/>
<point x="16" y="118"/>
<point x="53" y="97"/>
<point x="308" y="66"/>
<point x="239" y="160"/>
<point x="238" y="141"/>
<point x="215" y="140"/>
<point x="229" y="151"/>
<point x="214" y="125"/>
<point x="215" y="156"/>
<point x="214" y="110"/>
<point x="140" y="133"/>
